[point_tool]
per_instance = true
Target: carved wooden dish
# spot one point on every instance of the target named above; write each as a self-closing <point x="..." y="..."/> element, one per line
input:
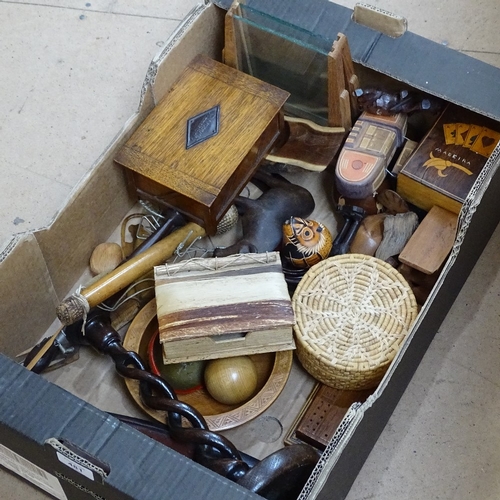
<point x="273" y="370"/>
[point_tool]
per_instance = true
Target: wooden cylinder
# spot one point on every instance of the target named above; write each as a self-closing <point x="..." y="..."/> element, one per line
<point x="74" y="307"/>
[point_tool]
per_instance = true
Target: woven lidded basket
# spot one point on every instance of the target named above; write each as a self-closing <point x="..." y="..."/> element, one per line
<point x="352" y="314"/>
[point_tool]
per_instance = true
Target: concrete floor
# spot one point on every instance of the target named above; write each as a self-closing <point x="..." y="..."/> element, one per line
<point x="71" y="75"/>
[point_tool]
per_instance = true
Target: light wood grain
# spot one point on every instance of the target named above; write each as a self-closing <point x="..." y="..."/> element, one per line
<point x="224" y="346"/>
<point x="431" y="242"/>
<point x="105" y="257"/>
<point x="230" y="306"/>
<point x="351" y="80"/>
<point x="204" y="179"/>
<point x="336" y="86"/>
<point x="71" y="310"/>
<point x="230" y="52"/>
<point x="273" y="370"/>
<point x="231" y="380"/>
<point x="136" y="267"/>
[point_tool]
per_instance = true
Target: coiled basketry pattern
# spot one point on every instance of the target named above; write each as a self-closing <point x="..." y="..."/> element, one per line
<point x="352" y="314"/>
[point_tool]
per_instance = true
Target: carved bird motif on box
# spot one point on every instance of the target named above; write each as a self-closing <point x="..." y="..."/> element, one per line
<point x="440" y="165"/>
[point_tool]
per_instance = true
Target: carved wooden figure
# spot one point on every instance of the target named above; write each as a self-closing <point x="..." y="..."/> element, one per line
<point x="262" y="219"/>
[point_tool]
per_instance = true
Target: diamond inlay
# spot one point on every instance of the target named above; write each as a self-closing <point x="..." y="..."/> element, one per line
<point x="202" y="127"/>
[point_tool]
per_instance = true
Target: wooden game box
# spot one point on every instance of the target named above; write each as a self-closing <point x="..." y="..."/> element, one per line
<point x="203" y="142"/>
<point x="448" y="160"/>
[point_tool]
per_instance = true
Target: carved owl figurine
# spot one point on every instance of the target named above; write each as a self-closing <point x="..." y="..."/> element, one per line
<point x="305" y="242"/>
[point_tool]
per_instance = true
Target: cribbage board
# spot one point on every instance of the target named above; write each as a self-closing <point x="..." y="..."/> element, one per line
<point x="322" y="414"/>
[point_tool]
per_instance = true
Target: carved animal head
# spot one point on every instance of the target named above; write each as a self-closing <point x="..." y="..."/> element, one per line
<point x="305" y="241"/>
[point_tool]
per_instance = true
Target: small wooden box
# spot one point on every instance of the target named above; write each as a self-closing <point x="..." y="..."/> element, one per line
<point x="201" y="144"/>
<point x="449" y="159"/>
<point x="322" y="414"/>
<point x="229" y="306"/>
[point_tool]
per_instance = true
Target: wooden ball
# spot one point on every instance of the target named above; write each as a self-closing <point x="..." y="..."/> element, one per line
<point x="231" y="380"/>
<point x="183" y="376"/>
<point x="105" y="258"/>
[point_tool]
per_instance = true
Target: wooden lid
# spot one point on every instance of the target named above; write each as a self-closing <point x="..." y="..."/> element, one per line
<point x="220" y="103"/>
<point x="352" y="314"/>
<point x="240" y="293"/>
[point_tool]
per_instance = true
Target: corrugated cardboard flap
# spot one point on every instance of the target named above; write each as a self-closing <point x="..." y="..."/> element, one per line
<point x="38" y="410"/>
<point x="27" y="296"/>
<point x="160" y="75"/>
<point x="411" y="59"/>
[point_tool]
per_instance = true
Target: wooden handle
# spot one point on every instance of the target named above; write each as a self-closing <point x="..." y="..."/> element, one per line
<point x="73" y="308"/>
<point x="38" y="356"/>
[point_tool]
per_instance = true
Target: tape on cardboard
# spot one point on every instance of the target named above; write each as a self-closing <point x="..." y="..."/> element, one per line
<point x="380" y="20"/>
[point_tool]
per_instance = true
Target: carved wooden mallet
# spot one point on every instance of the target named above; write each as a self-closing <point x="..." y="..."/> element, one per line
<point x="75" y="307"/>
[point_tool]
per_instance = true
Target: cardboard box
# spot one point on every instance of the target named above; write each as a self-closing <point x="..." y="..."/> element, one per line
<point x="42" y="426"/>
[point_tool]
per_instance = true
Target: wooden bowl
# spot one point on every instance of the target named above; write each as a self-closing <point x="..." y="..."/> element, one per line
<point x="273" y="370"/>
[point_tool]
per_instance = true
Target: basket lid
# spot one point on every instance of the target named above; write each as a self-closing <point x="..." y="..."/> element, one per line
<point x="353" y="312"/>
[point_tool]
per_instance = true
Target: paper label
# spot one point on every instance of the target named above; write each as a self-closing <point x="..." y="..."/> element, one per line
<point x="75" y="466"/>
<point x="31" y="472"/>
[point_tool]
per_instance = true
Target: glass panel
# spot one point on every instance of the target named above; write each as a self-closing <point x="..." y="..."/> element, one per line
<point x="287" y="56"/>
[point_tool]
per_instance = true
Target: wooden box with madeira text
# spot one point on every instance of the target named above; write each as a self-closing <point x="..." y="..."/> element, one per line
<point x="443" y="168"/>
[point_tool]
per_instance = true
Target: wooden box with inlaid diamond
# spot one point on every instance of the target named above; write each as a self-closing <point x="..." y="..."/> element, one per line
<point x="202" y="143"/>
